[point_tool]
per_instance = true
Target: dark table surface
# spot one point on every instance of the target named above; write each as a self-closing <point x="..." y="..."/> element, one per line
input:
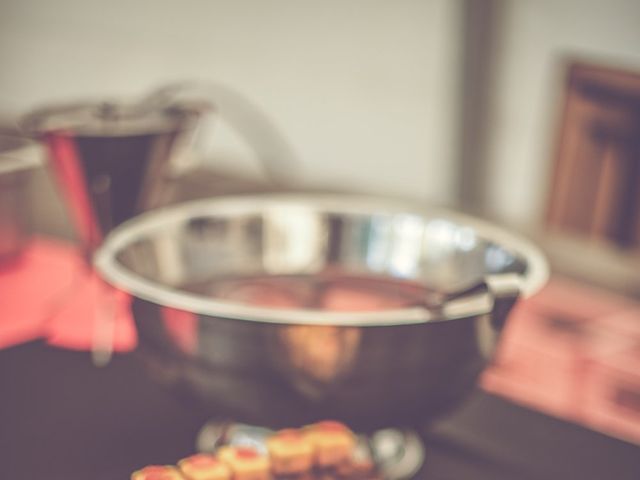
<point x="63" y="419"/>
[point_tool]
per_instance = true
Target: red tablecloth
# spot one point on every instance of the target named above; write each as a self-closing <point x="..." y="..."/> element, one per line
<point x="49" y="292"/>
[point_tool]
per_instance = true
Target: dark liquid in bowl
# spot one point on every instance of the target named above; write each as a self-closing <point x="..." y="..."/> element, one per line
<point x="330" y="292"/>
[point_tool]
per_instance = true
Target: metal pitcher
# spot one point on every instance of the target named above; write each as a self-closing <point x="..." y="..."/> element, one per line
<point x="111" y="159"/>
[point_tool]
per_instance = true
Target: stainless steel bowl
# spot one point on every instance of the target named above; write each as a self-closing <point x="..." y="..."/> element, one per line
<point x="258" y="359"/>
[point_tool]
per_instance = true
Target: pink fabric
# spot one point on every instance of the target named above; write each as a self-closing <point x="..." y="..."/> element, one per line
<point x="50" y="293"/>
<point x="570" y="351"/>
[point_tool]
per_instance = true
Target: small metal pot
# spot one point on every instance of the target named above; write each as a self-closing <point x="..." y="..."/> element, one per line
<point x="17" y="156"/>
<point x="261" y="360"/>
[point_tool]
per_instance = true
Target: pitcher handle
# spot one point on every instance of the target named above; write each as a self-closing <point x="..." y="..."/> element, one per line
<point x="276" y="155"/>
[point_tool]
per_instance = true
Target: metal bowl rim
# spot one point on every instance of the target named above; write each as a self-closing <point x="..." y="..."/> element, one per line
<point x="129" y="231"/>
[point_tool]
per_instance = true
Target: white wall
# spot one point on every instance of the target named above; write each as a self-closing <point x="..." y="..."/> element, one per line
<point x="535" y="38"/>
<point x="365" y="90"/>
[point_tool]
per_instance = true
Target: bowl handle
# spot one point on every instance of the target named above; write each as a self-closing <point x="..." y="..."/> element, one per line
<point x="505" y="289"/>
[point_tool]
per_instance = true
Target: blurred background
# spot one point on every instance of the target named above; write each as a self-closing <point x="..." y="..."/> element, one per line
<point x="526" y="113"/>
<point x="457" y="103"/>
<point x="332" y="76"/>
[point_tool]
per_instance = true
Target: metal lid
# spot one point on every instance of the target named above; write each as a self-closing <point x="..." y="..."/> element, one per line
<point x="112" y="119"/>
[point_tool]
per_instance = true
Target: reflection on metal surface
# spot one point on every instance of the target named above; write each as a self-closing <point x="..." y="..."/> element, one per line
<point x="293" y="240"/>
<point x="404" y="261"/>
<point x="465" y="239"/>
<point x="317" y="355"/>
<point x="398" y="454"/>
<point x="498" y="259"/>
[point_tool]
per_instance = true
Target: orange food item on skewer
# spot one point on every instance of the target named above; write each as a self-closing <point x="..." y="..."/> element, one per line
<point x="332" y="441"/>
<point x="157" y="472"/>
<point x="291" y="452"/>
<point x="245" y="463"/>
<point x="204" y="467"/>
